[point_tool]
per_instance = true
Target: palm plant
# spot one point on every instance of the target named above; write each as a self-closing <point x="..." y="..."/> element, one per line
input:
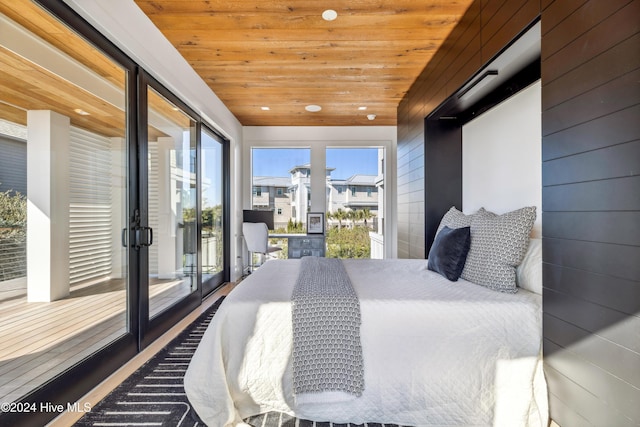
<point x="367" y="215"/>
<point x="340" y="215"/>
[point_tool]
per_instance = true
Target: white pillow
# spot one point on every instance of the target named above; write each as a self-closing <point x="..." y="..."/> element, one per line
<point x="529" y="272"/>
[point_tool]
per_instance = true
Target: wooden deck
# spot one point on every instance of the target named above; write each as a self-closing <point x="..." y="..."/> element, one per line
<point x="42" y="339"/>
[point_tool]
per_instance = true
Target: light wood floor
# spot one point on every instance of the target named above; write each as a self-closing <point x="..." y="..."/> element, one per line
<point x="98" y="393"/>
<point x="42" y="339"/>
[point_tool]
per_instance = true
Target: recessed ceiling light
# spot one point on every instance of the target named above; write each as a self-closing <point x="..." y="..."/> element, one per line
<point x="329" y="15"/>
<point x="362" y="108"/>
<point x="313" y="108"/>
<point x="265" y="108"/>
<point x="81" y="112"/>
<point x="371" y="116"/>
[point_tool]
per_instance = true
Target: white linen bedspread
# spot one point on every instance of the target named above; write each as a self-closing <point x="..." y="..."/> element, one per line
<point x="436" y="353"/>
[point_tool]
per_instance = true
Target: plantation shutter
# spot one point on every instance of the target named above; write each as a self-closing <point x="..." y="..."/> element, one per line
<point x="90" y="205"/>
<point x="153" y="202"/>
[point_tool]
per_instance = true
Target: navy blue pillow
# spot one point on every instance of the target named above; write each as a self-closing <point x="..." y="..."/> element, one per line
<point x="449" y="252"/>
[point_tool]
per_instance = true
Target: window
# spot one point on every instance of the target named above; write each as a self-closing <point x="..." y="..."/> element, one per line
<point x="276" y="169"/>
<point x="353" y="219"/>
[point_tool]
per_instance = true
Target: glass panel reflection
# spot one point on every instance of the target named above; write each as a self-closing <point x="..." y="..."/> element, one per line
<point x="212" y="187"/>
<point x="63" y="199"/>
<point x="172" y="205"/>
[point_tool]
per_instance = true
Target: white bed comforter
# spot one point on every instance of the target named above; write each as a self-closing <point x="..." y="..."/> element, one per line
<point x="436" y="353"/>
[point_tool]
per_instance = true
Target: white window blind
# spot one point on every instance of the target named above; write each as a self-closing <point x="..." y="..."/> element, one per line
<point x="90" y="206"/>
<point x="153" y="208"/>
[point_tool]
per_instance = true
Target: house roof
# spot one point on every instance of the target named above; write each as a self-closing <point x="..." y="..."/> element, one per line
<point x="272" y="181"/>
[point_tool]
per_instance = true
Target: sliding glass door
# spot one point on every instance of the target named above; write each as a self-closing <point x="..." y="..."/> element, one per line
<point x="104" y="242"/>
<point x="213" y="210"/>
<point x="182" y="236"/>
<point x="169" y="205"/>
<point x="66" y="270"/>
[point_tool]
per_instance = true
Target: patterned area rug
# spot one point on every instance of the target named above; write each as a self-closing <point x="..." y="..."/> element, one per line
<point x="154" y="394"/>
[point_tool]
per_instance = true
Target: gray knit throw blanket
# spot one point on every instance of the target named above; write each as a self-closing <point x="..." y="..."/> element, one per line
<point x="327" y="353"/>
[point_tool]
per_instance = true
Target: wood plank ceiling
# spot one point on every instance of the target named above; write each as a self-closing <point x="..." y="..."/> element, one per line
<point x="26" y="85"/>
<point x="284" y="56"/>
<point x="253" y="54"/>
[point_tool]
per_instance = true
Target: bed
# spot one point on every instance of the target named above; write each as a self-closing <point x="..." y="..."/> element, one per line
<point x="436" y="352"/>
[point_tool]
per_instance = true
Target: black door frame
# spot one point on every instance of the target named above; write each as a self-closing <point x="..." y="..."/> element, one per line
<point x="72" y="384"/>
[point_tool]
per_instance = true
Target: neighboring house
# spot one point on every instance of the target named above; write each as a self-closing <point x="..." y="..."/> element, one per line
<point x="356" y="192"/>
<point x="13" y="164"/>
<point x="273" y="193"/>
<point x="289" y="197"/>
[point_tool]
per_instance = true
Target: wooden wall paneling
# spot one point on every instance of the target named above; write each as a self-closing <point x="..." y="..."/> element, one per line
<point x="440" y="69"/>
<point x="618" y="398"/>
<point x="408" y="147"/>
<point x="603" y="68"/>
<point x="467" y="64"/>
<point x="591" y="209"/>
<point x="615" y="325"/>
<point x="490" y="8"/>
<point x="570" y="416"/>
<point x="622" y="295"/>
<point x="615" y="128"/>
<point x="459" y="59"/>
<point x="428" y="91"/>
<point x="562" y="51"/>
<point x="603" y="195"/>
<point x="595" y="226"/>
<point x="586" y="18"/>
<point x="611" y="259"/>
<point x="615" y="95"/>
<point x="581" y="407"/>
<point x="500" y="27"/>
<point x="557" y="11"/>
<point x="465" y="58"/>
<point x="592" y="348"/>
<point x="618" y="161"/>
<point x="591" y="202"/>
<point x="443" y="173"/>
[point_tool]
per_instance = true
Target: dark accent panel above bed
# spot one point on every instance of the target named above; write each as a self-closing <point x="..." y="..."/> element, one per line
<point x="443" y="173"/>
<point x="591" y="105"/>
<point x="485" y="30"/>
<point x="591" y="211"/>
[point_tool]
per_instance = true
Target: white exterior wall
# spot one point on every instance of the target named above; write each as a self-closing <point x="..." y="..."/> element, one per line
<point x="47" y="206"/>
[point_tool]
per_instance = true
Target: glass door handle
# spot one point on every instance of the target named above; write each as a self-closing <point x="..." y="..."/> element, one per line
<point x="144" y="236"/>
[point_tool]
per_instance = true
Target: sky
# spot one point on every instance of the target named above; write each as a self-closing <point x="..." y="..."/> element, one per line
<point x="346" y="161"/>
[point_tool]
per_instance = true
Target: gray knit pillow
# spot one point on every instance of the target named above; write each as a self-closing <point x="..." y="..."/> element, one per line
<point x="498" y="245"/>
<point x="456" y="219"/>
